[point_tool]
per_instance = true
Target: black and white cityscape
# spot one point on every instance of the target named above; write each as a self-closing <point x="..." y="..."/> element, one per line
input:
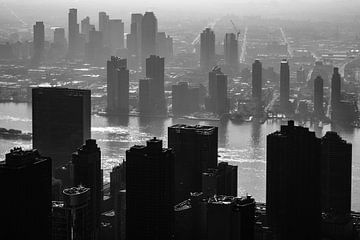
<point x="180" y="120"/>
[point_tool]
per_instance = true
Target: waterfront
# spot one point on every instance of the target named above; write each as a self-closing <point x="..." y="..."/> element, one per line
<point x="243" y="145"/>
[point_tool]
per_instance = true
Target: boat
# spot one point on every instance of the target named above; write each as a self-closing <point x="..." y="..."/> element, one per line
<point x="14" y="134"/>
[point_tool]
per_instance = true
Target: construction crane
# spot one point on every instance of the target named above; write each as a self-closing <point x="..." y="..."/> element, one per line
<point x="236" y="30"/>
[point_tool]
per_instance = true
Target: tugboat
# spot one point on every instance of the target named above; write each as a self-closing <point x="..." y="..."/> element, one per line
<point x="14" y="134"/>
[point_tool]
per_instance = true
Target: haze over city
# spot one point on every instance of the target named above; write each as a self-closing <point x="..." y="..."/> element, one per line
<point x="180" y="120"/>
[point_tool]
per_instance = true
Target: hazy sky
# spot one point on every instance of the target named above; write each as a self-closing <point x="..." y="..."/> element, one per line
<point x="55" y="10"/>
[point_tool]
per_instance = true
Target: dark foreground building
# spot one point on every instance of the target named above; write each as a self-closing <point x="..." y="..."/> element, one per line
<point x="71" y="218"/>
<point x="25" y="183"/>
<point x="293" y="183"/>
<point x="196" y="150"/>
<point x="86" y="167"/>
<point x="149" y="192"/>
<point x="61" y="122"/>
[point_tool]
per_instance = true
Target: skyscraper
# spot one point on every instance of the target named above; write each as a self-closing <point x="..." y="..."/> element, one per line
<point x="73" y="33"/>
<point x="207" y="50"/>
<point x="231" y="51"/>
<point x="104" y="27"/>
<point x="335" y="89"/>
<point x="336" y="170"/>
<point x="61" y="121"/>
<point x="86" y="166"/>
<point x="257" y="81"/>
<point x="218" y="101"/>
<point x="38" y="43"/>
<point x="300" y="75"/>
<point x="117" y="86"/>
<point x="164" y="45"/>
<point x="196" y="150"/>
<point x="227" y="179"/>
<point x="293" y="183"/>
<point x="60" y="42"/>
<point x="86" y="27"/>
<point x="284" y="85"/>
<point x="319" y="96"/>
<point x="155" y="71"/>
<point x="71" y="218"/>
<point x="94" y="48"/>
<point x="150" y="192"/>
<point x="144" y="96"/>
<point x="230" y="218"/>
<point x="149" y="27"/>
<point x="116" y="35"/>
<point x="134" y="38"/>
<point x="185" y="99"/>
<point x="25" y="180"/>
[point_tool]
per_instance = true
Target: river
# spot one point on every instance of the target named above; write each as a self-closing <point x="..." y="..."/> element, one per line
<point x="242" y="145"/>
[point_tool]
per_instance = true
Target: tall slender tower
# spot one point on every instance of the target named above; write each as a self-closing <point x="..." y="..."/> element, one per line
<point x="116" y="35"/>
<point x="136" y="22"/>
<point x="155" y="71"/>
<point x="117" y="86"/>
<point x="25" y="182"/>
<point x="319" y="96"/>
<point x="257" y="81"/>
<point x="207" y="50"/>
<point x="293" y="163"/>
<point x="150" y="192"/>
<point x="336" y="168"/>
<point x="38" y="43"/>
<point x="86" y="166"/>
<point x="149" y="27"/>
<point x="73" y="37"/>
<point x="231" y="51"/>
<point x="335" y="89"/>
<point x="284" y="85"/>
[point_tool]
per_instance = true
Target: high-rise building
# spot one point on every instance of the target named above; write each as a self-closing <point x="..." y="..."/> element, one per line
<point x="230" y="218"/>
<point x="300" y="75"/>
<point x="144" y="96"/>
<point x="94" y="48"/>
<point x="196" y="150"/>
<point x="120" y="215"/>
<point x="117" y="86"/>
<point x="257" y="81"/>
<point x="336" y="175"/>
<point x="73" y="33"/>
<point x="116" y="35"/>
<point x="86" y="167"/>
<point x="284" y="85"/>
<point x="61" y="121"/>
<point x="86" y="27"/>
<point x="335" y="90"/>
<point x="149" y="27"/>
<point x="133" y="41"/>
<point x="38" y="43"/>
<point x="319" y="96"/>
<point x="231" y="51"/>
<point x="293" y="162"/>
<point x="104" y="27"/>
<point x="220" y="181"/>
<point x="155" y="71"/>
<point x="71" y="218"/>
<point x="207" y="50"/>
<point x="227" y="179"/>
<point x="164" y="45"/>
<point x="185" y="99"/>
<point x="25" y="180"/>
<point x="60" y="42"/>
<point x="218" y="101"/>
<point x="150" y="192"/>
<point x="117" y="179"/>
